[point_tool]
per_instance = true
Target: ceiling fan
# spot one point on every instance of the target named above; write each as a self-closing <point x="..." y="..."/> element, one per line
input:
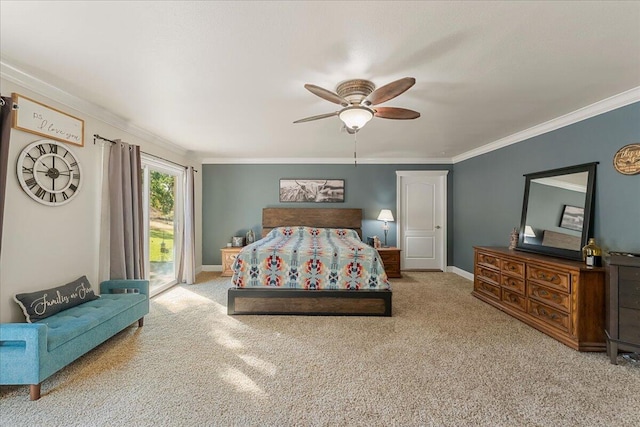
<point x="359" y="98"/>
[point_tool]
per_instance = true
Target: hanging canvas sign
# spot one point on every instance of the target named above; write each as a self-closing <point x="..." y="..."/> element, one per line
<point x="40" y="119"/>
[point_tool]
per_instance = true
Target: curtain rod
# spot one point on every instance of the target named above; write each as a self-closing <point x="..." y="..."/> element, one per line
<point x="96" y="136"/>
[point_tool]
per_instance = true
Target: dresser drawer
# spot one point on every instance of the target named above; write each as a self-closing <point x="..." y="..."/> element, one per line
<point x="389" y="256"/>
<point x="488" y="261"/>
<point x="629" y="295"/>
<point x="487" y="289"/>
<point x="488" y="275"/>
<point x="513" y="284"/>
<point x="549" y="296"/>
<point x="629" y="287"/>
<point x="513" y="268"/>
<point x="629" y="325"/>
<point x="550" y="277"/>
<point x="549" y="315"/>
<point x="514" y="300"/>
<point x="629" y="273"/>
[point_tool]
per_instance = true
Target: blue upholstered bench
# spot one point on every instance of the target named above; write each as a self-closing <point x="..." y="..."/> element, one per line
<point x="32" y="352"/>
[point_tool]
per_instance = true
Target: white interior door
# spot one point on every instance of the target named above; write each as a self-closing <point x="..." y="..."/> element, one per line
<point x="422" y="213"/>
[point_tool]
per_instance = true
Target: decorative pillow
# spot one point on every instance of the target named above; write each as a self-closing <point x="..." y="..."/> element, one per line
<point x="42" y="304"/>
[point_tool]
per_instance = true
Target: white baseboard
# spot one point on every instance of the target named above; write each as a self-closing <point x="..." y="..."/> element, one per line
<point x="460" y="272"/>
<point x="212" y="268"/>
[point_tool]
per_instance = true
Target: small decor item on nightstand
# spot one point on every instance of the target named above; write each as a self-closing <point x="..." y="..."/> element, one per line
<point x="237" y="241"/>
<point x="250" y="237"/>
<point x="514" y="239"/>
<point x="592" y="254"/>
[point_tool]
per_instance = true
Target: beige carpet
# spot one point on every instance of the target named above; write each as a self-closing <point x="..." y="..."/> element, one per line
<point x="444" y="358"/>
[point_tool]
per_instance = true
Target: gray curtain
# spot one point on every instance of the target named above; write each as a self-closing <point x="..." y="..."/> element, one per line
<point x="187" y="270"/>
<point x="6" y="116"/>
<point x="125" y="201"/>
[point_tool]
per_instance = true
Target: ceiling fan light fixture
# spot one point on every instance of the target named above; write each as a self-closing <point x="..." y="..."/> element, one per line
<point x="356" y="117"/>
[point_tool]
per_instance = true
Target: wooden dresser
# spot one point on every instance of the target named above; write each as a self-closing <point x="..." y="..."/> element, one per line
<point x="623" y="305"/>
<point x="562" y="298"/>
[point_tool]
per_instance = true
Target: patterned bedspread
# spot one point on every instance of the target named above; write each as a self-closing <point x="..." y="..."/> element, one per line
<point x="310" y="258"/>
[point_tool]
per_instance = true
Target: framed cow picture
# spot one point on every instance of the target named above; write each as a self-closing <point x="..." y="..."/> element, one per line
<point x="312" y="190"/>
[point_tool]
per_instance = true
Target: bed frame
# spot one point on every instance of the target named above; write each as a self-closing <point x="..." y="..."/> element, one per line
<point x="300" y="301"/>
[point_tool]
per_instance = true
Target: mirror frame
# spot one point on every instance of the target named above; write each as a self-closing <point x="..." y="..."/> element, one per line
<point x="587" y="228"/>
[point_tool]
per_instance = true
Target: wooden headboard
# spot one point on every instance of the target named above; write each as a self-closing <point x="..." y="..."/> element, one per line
<point x="311" y="217"/>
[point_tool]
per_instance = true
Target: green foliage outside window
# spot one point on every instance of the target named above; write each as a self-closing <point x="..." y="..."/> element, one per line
<point x="162" y="192"/>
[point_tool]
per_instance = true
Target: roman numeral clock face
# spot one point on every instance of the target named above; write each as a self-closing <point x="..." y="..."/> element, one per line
<point x="49" y="172"/>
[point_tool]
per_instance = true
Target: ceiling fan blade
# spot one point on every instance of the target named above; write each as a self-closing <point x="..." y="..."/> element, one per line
<point x="326" y="94"/>
<point x="396" y="113"/>
<point x="389" y="91"/>
<point x="321" y="116"/>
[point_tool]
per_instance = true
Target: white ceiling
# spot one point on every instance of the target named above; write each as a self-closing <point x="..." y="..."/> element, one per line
<point x="225" y="79"/>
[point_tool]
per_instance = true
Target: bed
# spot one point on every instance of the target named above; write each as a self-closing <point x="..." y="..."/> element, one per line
<point x="310" y="262"/>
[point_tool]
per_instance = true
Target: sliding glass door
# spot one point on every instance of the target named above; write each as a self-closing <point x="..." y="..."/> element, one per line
<point x="162" y="206"/>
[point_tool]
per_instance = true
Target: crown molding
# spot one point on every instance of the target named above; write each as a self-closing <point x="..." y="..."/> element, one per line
<point x="19" y="77"/>
<point x="326" y="160"/>
<point x="617" y="101"/>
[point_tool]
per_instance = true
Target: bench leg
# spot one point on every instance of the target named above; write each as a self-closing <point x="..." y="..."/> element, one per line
<point x="140" y="322"/>
<point x="34" y="391"/>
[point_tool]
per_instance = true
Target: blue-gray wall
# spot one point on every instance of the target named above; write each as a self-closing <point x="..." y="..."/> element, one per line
<point x="233" y="197"/>
<point x="488" y="189"/>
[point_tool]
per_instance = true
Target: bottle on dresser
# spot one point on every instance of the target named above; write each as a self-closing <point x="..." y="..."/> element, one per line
<point x="592" y="254"/>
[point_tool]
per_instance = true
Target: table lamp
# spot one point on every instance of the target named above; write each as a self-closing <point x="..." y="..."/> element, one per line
<point x="386" y="216"/>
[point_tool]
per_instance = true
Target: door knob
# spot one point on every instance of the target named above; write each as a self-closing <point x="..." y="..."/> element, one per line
<point x="438" y="227"/>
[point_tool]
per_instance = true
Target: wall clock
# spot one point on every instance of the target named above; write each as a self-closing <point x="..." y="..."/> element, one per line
<point x="49" y="172"/>
<point x="627" y="159"/>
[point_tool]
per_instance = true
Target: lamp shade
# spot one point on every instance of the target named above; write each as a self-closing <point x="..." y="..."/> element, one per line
<point x="385" y="215"/>
<point x="356" y="117"/>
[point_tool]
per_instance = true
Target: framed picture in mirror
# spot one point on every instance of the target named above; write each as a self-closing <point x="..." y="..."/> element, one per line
<point x="572" y="218"/>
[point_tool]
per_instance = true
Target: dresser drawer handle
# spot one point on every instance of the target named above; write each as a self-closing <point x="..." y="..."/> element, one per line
<point x="553" y="278"/>
<point x="491" y="276"/>
<point x="546" y="294"/>
<point x="552" y="316"/>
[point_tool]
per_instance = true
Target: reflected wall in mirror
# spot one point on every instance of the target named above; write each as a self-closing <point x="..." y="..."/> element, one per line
<point x="557" y="211"/>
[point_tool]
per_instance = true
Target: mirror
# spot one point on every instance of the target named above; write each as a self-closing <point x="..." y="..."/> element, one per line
<point x="557" y="211"/>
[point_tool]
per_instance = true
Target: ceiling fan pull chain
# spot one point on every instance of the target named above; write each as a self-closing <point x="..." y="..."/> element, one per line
<point x="355" y="149"/>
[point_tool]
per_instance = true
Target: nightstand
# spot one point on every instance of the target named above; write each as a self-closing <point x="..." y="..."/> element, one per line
<point x="228" y="257"/>
<point x="391" y="259"/>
